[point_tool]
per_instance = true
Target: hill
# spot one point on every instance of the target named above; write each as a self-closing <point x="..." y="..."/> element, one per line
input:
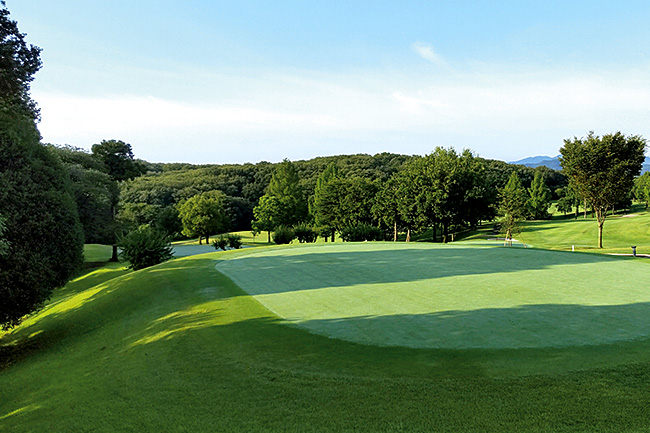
<point x="554" y="163"/>
<point x="180" y="347"/>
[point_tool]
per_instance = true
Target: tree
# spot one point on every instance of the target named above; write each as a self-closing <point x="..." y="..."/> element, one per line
<point x="284" y="202"/>
<point x="42" y="226"/>
<point x="343" y="202"/>
<point x="320" y="214"/>
<point x="203" y="215"/>
<point x="451" y="189"/>
<point x="94" y="192"/>
<point x="117" y="157"/>
<point x="642" y="188"/>
<point x="512" y="206"/>
<point x="603" y="169"/>
<point x="264" y="214"/>
<point x="19" y="62"/>
<point x="386" y="207"/>
<point x="145" y="246"/>
<point x="539" y="198"/>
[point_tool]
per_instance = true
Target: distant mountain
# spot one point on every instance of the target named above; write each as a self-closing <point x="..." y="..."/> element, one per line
<point x="554" y="163"/>
<point x="536" y="161"/>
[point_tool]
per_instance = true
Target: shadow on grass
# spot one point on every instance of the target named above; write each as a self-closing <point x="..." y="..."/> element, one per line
<point x="66" y="318"/>
<point x="401" y="264"/>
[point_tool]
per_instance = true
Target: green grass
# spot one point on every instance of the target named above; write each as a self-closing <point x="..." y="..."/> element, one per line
<point x="180" y="347"/>
<point x="456" y="296"/>
<point x="620" y="232"/>
<point x="94" y="253"/>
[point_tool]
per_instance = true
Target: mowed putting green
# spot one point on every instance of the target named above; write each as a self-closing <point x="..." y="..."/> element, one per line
<point x="457" y="296"/>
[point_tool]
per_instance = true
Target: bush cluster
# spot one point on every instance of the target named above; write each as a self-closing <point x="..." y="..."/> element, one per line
<point x="283" y="235"/>
<point x="145" y="246"/>
<point x="305" y="233"/>
<point x="361" y="232"/>
<point x="225" y="241"/>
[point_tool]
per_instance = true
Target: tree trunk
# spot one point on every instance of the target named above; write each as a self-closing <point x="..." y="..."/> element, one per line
<point x="268" y="233"/>
<point x="333" y="235"/>
<point x="585" y="204"/>
<point x="114" y="256"/>
<point x="408" y="235"/>
<point x="395" y="232"/>
<point x="200" y="239"/>
<point x="508" y="236"/>
<point x="600" y="214"/>
<point x="207" y="239"/>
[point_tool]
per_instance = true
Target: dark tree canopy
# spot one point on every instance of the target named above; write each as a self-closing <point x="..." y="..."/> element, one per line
<point x="603" y="169"/>
<point x="284" y="203"/>
<point x="42" y="227"/>
<point x="118" y="158"/>
<point x="19" y="62"/>
<point x="513" y="202"/>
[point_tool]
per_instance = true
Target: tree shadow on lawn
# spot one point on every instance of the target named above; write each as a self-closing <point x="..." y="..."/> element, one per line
<point x="259" y="274"/>
<point x="68" y="317"/>
<point x="488" y="342"/>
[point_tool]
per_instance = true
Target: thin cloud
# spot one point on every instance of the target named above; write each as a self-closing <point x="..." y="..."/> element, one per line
<point x="427" y="52"/>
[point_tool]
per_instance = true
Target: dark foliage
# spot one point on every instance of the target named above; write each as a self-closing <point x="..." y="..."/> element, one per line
<point x="283" y="235"/>
<point x="362" y="232"/>
<point x="42" y="227"/>
<point x="19" y="62"/>
<point x="305" y="233"/>
<point x="145" y="246"/>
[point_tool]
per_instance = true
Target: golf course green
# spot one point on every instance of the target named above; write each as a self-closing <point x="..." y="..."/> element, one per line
<point x="449" y="296"/>
<point x="373" y="337"/>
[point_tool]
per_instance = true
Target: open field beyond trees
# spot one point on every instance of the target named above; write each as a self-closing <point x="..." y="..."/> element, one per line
<point x="180" y="347"/>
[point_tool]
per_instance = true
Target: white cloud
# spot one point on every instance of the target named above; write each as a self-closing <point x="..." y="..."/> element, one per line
<point x="427" y="53"/>
<point x="499" y="113"/>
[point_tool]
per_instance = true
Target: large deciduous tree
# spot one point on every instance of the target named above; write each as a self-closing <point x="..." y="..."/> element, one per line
<point x="603" y="169"/>
<point x="19" y="62"/>
<point x="203" y="215"/>
<point x="539" y="198"/>
<point x="42" y="227"/>
<point x="512" y="206"/>
<point x="344" y="202"/>
<point x="451" y="189"/>
<point x="120" y="164"/>
<point x="284" y="202"/>
<point x="41" y="238"/>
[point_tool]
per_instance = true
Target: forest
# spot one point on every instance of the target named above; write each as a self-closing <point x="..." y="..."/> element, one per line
<point x="391" y="193"/>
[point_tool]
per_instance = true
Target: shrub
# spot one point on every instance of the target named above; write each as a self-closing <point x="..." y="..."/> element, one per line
<point x="361" y="232"/>
<point x="305" y="233"/>
<point x="283" y="235"/>
<point x="144" y="247"/>
<point x="220" y="242"/>
<point x="234" y="241"/>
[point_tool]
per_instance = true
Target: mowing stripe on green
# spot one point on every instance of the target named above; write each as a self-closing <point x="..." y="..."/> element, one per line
<point x="450" y="296"/>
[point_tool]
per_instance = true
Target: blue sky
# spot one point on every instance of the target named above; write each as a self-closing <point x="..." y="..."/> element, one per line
<point x="245" y="81"/>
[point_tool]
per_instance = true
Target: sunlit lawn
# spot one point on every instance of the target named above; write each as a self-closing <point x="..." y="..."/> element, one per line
<point x="179" y="347"/>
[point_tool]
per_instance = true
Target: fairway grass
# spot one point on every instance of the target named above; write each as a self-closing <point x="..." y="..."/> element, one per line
<point x="179" y="347"/>
<point x="450" y="296"/>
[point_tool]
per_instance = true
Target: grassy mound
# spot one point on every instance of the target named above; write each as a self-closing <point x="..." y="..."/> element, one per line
<point x="450" y="296"/>
<point x="179" y="347"/>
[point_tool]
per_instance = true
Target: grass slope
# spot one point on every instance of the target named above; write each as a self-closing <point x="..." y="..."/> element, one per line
<point x="179" y="347"/>
<point x="620" y="232"/>
<point x="454" y="296"/>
